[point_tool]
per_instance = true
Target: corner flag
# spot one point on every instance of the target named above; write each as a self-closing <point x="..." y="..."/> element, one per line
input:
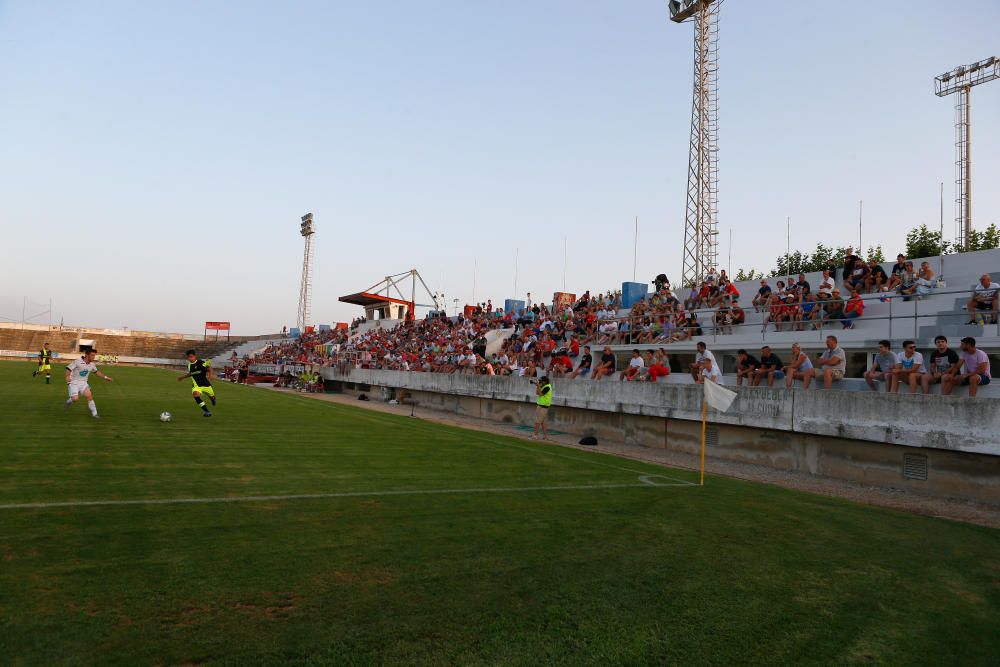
<point x="720" y="399"/>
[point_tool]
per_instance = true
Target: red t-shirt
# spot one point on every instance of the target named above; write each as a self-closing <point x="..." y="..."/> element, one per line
<point x="658" y="371"/>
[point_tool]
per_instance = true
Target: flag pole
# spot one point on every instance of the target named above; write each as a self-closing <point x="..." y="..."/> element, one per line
<point x="704" y="414"/>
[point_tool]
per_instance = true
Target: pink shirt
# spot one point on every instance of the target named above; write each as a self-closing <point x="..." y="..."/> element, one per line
<point x="972" y="360"/>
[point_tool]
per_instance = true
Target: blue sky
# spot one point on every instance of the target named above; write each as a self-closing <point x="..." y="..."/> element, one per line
<point x="157" y="156"/>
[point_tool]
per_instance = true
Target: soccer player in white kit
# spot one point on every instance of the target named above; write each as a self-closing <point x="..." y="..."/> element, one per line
<point x="78" y="376"/>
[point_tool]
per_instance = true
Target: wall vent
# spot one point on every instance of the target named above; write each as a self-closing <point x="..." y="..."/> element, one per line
<point x="712" y="437"/>
<point x="915" y="466"/>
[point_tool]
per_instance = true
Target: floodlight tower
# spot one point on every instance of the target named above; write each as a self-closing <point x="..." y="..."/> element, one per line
<point x="961" y="80"/>
<point x="701" y="248"/>
<point x="306" y="230"/>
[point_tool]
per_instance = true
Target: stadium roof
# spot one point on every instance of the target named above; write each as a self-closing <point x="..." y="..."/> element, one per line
<point x="369" y="299"/>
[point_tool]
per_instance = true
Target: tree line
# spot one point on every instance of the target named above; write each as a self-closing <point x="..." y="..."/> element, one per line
<point x="920" y="242"/>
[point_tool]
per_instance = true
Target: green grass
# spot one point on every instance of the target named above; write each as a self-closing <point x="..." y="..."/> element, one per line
<point x="733" y="572"/>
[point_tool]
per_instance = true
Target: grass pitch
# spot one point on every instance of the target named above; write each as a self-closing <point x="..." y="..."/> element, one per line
<point x="334" y="535"/>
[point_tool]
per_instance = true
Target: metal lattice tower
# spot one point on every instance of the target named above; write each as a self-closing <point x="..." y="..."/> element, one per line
<point x="961" y="80"/>
<point x="701" y="248"/>
<point x="307" y="231"/>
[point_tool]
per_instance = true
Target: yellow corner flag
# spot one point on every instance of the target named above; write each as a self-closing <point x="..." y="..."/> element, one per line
<point x="720" y="399"/>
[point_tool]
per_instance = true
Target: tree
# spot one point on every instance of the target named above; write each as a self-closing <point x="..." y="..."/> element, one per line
<point x="751" y="274"/>
<point x="923" y="242"/>
<point x="876" y="254"/>
<point x="988" y="239"/>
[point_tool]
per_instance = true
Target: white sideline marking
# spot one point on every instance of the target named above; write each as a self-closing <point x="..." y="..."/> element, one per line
<point x="311" y="496"/>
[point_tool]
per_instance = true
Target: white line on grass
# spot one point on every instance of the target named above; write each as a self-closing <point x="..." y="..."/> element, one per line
<point x="643" y="483"/>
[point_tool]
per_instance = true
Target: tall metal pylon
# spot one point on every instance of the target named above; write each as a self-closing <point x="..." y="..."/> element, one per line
<point x="961" y="80"/>
<point x="701" y="248"/>
<point x="305" y="288"/>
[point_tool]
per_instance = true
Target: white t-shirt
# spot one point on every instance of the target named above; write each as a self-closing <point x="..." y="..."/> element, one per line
<point x="637" y="362"/>
<point x="713" y="373"/>
<point x="80" y="371"/>
<point x="985" y="294"/>
<point x="707" y="354"/>
<point x="826" y="286"/>
<point x="908" y="363"/>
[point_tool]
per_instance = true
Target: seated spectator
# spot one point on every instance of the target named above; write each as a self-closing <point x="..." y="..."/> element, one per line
<point x="833" y="310"/>
<point x="826" y="286"/>
<point x="942" y="361"/>
<point x="792" y="312"/>
<point x="896" y="273"/>
<point x="883" y="367"/>
<point x="850" y="264"/>
<point x="709" y="370"/>
<point x="984" y="300"/>
<point x="561" y="365"/>
<point x="775" y="312"/>
<point x="876" y="280"/>
<point x="661" y="281"/>
<point x="724" y="320"/>
<point x="800" y="368"/>
<point x="832" y="363"/>
<point x="746" y="364"/>
<point x="854" y="309"/>
<point x="975" y="369"/>
<point x="739" y="315"/>
<point x="812" y="312"/>
<point x="660" y="366"/>
<point x="763" y="296"/>
<point x="770" y="367"/>
<point x="702" y="353"/>
<point x="802" y="285"/>
<point x="925" y="280"/>
<point x="607" y="365"/>
<point x="635" y="366"/>
<point x="908" y="285"/>
<point x="858" y="276"/>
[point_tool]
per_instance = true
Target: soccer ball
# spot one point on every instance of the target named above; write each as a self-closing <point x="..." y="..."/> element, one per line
<point x="164" y="416"/>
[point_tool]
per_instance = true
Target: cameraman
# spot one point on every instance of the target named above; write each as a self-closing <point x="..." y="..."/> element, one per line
<point x="543" y="400"/>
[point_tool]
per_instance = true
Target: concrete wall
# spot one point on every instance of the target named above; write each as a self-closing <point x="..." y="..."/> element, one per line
<point x="933" y="422"/>
<point x="843" y="435"/>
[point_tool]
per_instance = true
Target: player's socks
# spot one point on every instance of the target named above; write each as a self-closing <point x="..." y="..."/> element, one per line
<point x="93" y="407"/>
<point x="201" y="403"/>
<point x="212" y="398"/>
<point x="69" y="402"/>
<point x="34" y="374"/>
<point x="48" y="379"/>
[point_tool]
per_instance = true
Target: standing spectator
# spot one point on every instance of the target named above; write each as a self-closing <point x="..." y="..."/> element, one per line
<point x="832" y="363"/>
<point x="746" y="364"/>
<point x="771" y="366"/>
<point x="984" y="298"/>
<point x="635" y="366"/>
<point x="850" y="264"/>
<point x="975" y="369"/>
<point x="882" y="367"/>
<point x="800" y="368"/>
<point x="942" y="361"/>
<point x="763" y="296"/>
<point x="607" y="366"/>
<point x="702" y="353"/>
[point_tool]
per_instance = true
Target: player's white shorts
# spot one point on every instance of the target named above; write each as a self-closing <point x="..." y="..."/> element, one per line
<point x="76" y="388"/>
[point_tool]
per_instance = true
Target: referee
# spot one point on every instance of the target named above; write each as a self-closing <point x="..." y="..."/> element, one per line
<point x="543" y="400"/>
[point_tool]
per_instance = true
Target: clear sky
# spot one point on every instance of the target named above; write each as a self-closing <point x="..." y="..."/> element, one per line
<point x="156" y="156"/>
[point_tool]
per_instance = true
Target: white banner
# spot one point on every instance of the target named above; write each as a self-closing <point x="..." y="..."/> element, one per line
<point x="718" y="397"/>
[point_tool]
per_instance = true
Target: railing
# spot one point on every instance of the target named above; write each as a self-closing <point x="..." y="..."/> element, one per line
<point x="900" y="324"/>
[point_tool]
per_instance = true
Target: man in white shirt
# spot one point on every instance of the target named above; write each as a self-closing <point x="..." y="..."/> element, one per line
<point x="985" y="295"/>
<point x="909" y="367"/>
<point x="702" y="354"/>
<point x="709" y="370"/>
<point x="78" y="377"/>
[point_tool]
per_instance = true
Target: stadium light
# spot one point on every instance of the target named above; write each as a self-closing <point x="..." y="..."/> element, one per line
<point x="681" y="11"/>
<point x="306" y="228"/>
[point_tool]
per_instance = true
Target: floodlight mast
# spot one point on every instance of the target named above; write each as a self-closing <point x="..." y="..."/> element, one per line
<point x="701" y="248"/>
<point x="961" y="80"/>
<point x="306" y="230"/>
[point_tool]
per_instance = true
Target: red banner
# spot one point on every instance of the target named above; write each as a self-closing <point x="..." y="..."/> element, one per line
<point x="560" y="300"/>
<point x="217" y="326"/>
